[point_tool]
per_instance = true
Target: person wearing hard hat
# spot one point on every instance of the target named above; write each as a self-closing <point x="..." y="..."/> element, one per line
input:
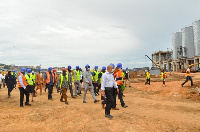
<point x="77" y="82"/>
<point x="22" y="83"/>
<point x="39" y="81"/>
<point x="118" y="78"/>
<point x="99" y="85"/>
<point x="49" y="80"/>
<point x="70" y="79"/>
<point x="34" y="78"/>
<point x="81" y="77"/>
<point x="107" y="86"/>
<point x="95" y="74"/>
<point x="88" y="84"/>
<point x="30" y="82"/>
<point x="63" y="83"/>
<point x="148" y="77"/>
<point x="188" y="77"/>
<point x="10" y="81"/>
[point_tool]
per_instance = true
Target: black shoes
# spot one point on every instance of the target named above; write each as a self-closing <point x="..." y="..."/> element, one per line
<point x="66" y="102"/>
<point x="28" y="104"/>
<point x="109" y="116"/>
<point x="96" y="101"/>
<point x="61" y="100"/>
<point x="50" y="99"/>
<point x="182" y="85"/>
<point x="73" y="97"/>
<point x="84" y="101"/>
<point x="22" y="106"/>
<point x="125" y="106"/>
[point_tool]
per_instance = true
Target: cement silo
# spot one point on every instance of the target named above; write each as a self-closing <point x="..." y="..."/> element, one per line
<point x="188" y="42"/>
<point x="176" y="42"/>
<point x="196" y="28"/>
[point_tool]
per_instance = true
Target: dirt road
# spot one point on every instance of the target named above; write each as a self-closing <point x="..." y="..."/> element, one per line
<point x="150" y="108"/>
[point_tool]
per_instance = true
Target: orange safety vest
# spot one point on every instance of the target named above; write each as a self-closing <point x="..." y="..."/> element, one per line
<point x="55" y="76"/>
<point x="48" y="78"/>
<point x="118" y="74"/>
<point x="187" y="72"/>
<point x="24" y="80"/>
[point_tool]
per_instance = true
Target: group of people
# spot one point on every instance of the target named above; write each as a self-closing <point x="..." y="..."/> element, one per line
<point x="94" y="80"/>
<point x="164" y="76"/>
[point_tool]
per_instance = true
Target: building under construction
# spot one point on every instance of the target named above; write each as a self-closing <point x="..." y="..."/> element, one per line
<point x="163" y="59"/>
<point x="186" y="47"/>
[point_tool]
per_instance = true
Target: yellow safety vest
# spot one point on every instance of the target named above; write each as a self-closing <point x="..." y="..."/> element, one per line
<point x="61" y="79"/>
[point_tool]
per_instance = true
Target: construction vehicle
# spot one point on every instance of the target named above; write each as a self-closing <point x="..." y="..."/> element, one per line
<point x="154" y="63"/>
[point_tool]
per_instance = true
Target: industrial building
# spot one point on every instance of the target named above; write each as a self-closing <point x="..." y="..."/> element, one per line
<point x="163" y="59"/>
<point x="186" y="47"/>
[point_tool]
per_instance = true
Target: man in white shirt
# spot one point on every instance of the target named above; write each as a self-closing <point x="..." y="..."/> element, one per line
<point x="107" y="85"/>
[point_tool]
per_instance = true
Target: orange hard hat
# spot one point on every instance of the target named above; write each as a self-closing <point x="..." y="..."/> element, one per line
<point x="63" y="69"/>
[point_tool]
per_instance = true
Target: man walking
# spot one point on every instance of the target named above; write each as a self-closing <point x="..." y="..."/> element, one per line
<point x="10" y="81"/>
<point x="188" y="77"/>
<point x="49" y="80"/>
<point x="88" y="84"/>
<point x="127" y="77"/>
<point x="107" y="85"/>
<point x="77" y="82"/>
<point x="39" y="81"/>
<point x="63" y="83"/>
<point x="29" y="79"/>
<point x="95" y="79"/>
<point x="148" y="76"/>
<point x="22" y="83"/>
<point x="69" y="73"/>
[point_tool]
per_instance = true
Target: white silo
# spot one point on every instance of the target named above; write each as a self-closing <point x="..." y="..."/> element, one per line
<point x="176" y="42"/>
<point x="196" y="28"/>
<point x="188" y="42"/>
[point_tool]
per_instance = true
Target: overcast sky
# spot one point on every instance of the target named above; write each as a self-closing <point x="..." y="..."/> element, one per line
<point x="94" y="32"/>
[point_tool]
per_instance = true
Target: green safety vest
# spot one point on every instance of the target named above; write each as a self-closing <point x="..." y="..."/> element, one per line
<point x="96" y="76"/>
<point x="101" y="77"/>
<point x="78" y="75"/>
<point x="61" y="79"/>
<point x="29" y="79"/>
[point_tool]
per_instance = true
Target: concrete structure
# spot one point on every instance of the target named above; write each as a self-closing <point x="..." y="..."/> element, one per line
<point x="177" y="44"/>
<point x="163" y="59"/>
<point x="189" y="52"/>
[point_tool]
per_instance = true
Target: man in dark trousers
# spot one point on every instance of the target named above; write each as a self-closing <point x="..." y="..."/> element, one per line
<point x="10" y="81"/>
<point x="49" y="80"/>
<point x="108" y="83"/>
<point x="22" y="83"/>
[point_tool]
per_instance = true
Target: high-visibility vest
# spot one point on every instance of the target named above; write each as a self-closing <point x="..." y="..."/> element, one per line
<point x="96" y="76"/>
<point x="77" y="75"/>
<point x="101" y="77"/>
<point x="188" y="72"/>
<point x="148" y="75"/>
<point x="23" y="79"/>
<point x="61" y="79"/>
<point x="48" y="78"/>
<point x="29" y="79"/>
<point x="34" y="78"/>
<point x="118" y="74"/>
<point x="55" y="76"/>
<point x="163" y="75"/>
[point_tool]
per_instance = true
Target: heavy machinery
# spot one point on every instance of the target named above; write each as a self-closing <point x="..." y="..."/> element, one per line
<point x="154" y="63"/>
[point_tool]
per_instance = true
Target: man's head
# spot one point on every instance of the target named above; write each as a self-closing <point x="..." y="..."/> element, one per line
<point x="9" y="72"/>
<point x="96" y="68"/>
<point x="23" y="71"/>
<point x="69" y="68"/>
<point x="103" y="69"/>
<point x="119" y="66"/>
<point x="109" y="68"/>
<point x="39" y="70"/>
<point x="87" y="67"/>
<point x="63" y="71"/>
<point x="29" y="71"/>
<point x="77" y="68"/>
<point x="49" y="69"/>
